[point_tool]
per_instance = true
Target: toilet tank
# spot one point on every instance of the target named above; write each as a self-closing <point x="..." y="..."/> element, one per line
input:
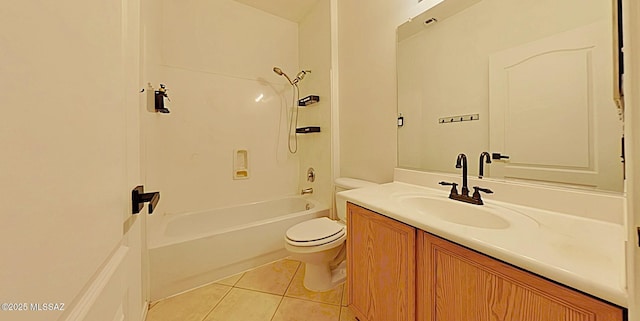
<point x="344" y="184"/>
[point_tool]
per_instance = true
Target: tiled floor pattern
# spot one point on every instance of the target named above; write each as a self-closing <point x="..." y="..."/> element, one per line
<point x="273" y="292"/>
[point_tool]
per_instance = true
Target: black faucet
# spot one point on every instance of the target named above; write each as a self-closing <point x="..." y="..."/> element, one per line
<point x="486" y="156"/>
<point x="461" y="162"/>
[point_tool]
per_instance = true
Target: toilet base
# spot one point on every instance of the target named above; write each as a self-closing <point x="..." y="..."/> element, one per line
<point x="320" y="278"/>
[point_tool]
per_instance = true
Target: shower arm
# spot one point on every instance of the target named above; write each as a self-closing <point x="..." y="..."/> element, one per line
<point x="300" y="76"/>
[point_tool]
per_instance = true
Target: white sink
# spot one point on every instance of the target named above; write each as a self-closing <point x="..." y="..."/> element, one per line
<point x="479" y="216"/>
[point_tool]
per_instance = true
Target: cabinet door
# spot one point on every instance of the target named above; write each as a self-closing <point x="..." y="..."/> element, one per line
<point x="381" y="266"/>
<point x="455" y="283"/>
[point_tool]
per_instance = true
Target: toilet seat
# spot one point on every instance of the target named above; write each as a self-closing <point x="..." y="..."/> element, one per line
<point x="315" y="232"/>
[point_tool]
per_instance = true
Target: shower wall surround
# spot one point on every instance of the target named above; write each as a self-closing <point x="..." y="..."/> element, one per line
<point x="217" y="58"/>
<point x="314" y="149"/>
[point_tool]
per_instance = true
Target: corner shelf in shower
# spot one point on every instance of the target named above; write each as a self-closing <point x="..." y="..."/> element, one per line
<point x="309" y="100"/>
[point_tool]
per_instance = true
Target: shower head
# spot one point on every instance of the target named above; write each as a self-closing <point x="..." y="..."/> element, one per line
<point x="278" y="71"/>
<point x="281" y="73"/>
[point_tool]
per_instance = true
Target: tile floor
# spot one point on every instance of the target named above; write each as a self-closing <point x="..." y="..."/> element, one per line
<point x="273" y="292"/>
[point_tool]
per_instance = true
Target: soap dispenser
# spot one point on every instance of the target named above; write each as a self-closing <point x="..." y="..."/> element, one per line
<point x="160" y="95"/>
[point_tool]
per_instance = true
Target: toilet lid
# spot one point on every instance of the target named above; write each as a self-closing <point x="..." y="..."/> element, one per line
<point x="315" y="232"/>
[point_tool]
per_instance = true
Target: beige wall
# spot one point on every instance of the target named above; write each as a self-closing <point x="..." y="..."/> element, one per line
<point x="367" y="84"/>
<point x="314" y="150"/>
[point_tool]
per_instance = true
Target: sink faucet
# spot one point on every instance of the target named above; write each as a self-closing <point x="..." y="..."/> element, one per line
<point x="483" y="155"/>
<point x="476" y="198"/>
<point x="461" y="162"/>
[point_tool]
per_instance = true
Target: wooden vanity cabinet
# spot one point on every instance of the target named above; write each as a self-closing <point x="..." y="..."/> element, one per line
<point x="455" y="283"/>
<point x="399" y="273"/>
<point x="380" y="266"/>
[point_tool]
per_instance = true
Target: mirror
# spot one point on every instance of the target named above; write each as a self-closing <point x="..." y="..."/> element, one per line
<point x="529" y="79"/>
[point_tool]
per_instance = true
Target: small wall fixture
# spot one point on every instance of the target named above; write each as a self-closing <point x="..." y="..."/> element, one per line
<point x="459" y="118"/>
<point x="311" y="175"/>
<point x="430" y="21"/>
<point x="160" y="95"/>
<point x="306" y="130"/>
<point x="139" y="197"/>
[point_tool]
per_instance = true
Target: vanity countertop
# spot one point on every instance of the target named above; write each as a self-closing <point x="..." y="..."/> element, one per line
<point x="582" y="253"/>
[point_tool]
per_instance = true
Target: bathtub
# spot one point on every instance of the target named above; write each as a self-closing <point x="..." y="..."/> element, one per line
<point x="192" y="249"/>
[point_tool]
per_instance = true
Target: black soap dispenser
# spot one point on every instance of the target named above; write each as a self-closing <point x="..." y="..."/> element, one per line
<point x="160" y="95"/>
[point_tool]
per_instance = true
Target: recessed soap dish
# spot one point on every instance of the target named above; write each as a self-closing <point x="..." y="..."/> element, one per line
<point x="240" y="164"/>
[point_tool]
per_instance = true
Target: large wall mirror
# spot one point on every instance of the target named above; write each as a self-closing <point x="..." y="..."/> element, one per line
<point x="530" y="79"/>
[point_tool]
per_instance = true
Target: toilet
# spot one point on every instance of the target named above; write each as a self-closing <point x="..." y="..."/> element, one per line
<point x="320" y="243"/>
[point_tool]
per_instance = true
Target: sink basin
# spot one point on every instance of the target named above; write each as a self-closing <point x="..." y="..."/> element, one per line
<point x="479" y="216"/>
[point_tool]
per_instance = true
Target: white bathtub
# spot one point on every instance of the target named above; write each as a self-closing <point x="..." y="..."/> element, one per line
<point x="193" y="249"/>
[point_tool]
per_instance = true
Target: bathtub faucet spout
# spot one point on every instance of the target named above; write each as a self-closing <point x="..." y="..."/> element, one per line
<point x="307" y="191"/>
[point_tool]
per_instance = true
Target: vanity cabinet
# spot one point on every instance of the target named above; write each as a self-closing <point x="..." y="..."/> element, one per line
<point x="398" y="273"/>
<point x="380" y="266"/>
<point x="455" y="283"/>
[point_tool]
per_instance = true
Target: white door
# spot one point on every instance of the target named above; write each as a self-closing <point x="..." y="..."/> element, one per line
<point x="560" y="89"/>
<point x="66" y="139"/>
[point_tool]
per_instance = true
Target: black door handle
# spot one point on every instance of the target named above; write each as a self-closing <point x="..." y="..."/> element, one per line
<point x="139" y="197"/>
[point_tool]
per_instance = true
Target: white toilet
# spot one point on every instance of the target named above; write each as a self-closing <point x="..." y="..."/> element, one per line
<point x="320" y="243"/>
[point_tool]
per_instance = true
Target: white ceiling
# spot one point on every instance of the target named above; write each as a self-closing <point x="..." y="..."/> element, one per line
<point x="293" y="10"/>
